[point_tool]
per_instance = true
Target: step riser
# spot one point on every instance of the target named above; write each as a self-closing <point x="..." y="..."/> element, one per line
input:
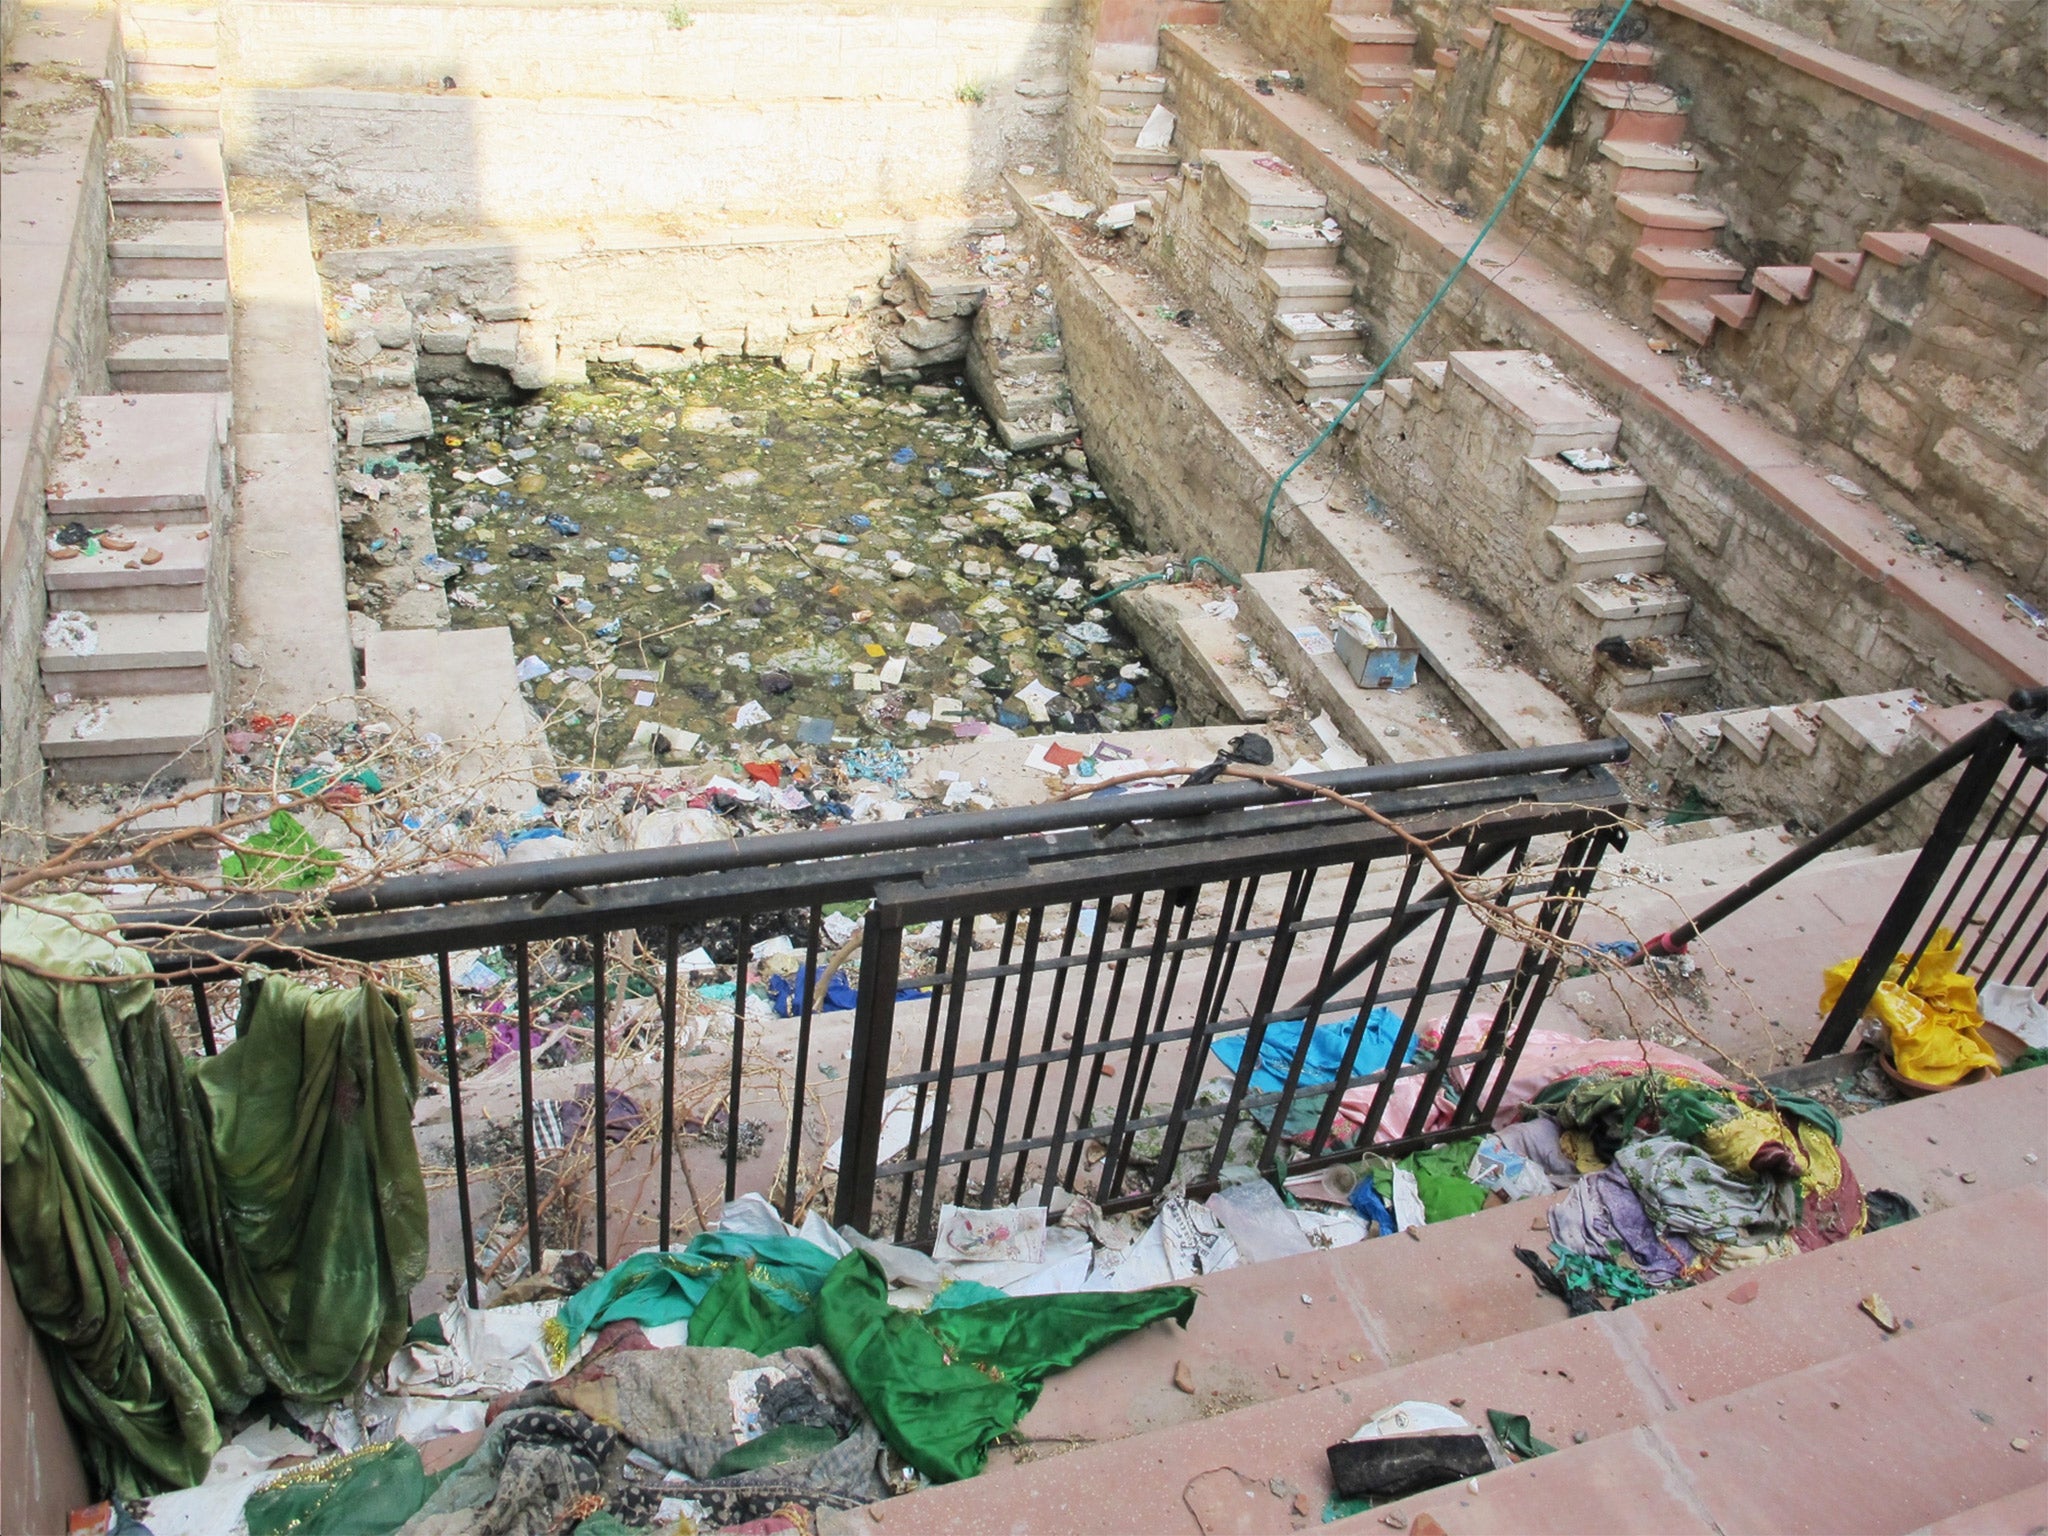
<point x="1392" y="55"/>
<point x="143" y="73"/>
<point x="1615" y="690"/>
<point x="191" y="207"/>
<point x="1598" y="567"/>
<point x="1647" y="127"/>
<point x="156" y="597"/>
<point x="128" y="768"/>
<point x="1692" y="290"/>
<point x="1641" y="73"/>
<point x="151" y="114"/>
<point x="192" y="268"/>
<point x="1302" y="351"/>
<point x="1661" y="183"/>
<point x="168" y="381"/>
<point x="141" y="40"/>
<point x="1118" y="97"/>
<point x="1300" y="259"/>
<point x="1679" y="239"/>
<point x="144" y="324"/>
<point x="1641" y="627"/>
<point x="136" y="680"/>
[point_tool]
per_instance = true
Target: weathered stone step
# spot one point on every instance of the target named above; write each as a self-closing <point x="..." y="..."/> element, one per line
<point x="177" y="362"/>
<point x="177" y="178"/>
<point x="1276" y="1378"/>
<point x="127" y="738"/>
<point x="1694" y="264"/>
<point x="118" y="580"/>
<point x="179" y="248"/>
<point x="1263" y="192"/>
<point x="1668" y="213"/>
<point x="1130" y="154"/>
<point x="1788" y="285"/>
<point x="1579" y="496"/>
<point x="1640" y="155"/>
<point x="1658" y="672"/>
<point x="1369" y="76"/>
<point x="1554" y="411"/>
<point x="1129" y="90"/>
<point x="1324" y="373"/>
<point x="1519" y="710"/>
<point x="1295" y="287"/>
<point x="1203" y="653"/>
<point x="1632" y="96"/>
<point x="1373" y="29"/>
<point x="183" y="109"/>
<point x="1594" y="550"/>
<point x="1631" y="610"/>
<point x="1873" y="722"/>
<point x="1737" y="311"/>
<point x="1386" y="726"/>
<point x="137" y="456"/>
<point x="1693" y="319"/>
<point x="134" y="654"/>
<point x="169" y="306"/>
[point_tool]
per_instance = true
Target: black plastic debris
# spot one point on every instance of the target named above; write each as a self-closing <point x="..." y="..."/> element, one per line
<point x="1394" y="1466"/>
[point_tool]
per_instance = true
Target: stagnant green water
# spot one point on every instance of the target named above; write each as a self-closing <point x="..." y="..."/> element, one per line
<point x="751" y="558"/>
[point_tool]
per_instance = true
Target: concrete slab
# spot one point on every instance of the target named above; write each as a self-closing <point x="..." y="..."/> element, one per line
<point x="459" y="685"/>
<point x="1540" y="397"/>
<point x="181" y="170"/>
<point x="289" y="604"/>
<point x="137" y="454"/>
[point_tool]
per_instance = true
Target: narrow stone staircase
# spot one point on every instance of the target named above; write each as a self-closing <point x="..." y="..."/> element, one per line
<point x="136" y="576"/>
<point x="1276" y="218"/>
<point x="1115" y="167"/>
<point x="1751" y="1402"/>
<point x="173" y="61"/>
<point x="168" y="310"/>
<point x="1379" y="59"/>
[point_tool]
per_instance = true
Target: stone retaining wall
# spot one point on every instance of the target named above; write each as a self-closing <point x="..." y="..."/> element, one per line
<point x="733" y="109"/>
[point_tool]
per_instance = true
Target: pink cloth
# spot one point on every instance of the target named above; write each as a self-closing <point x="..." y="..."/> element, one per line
<point x="1547" y="1057"/>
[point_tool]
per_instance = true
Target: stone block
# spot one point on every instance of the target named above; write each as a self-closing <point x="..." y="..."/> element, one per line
<point x="570" y="367"/>
<point x="655" y="360"/>
<point x="388" y="418"/>
<point x="391" y="324"/>
<point x="766" y="338"/>
<point x="495" y="345"/>
<point x="446" y="334"/>
<point x="361" y="351"/>
<point x="725" y="341"/>
<point x="495" y="311"/>
<point x="533" y="364"/>
<point x="925" y="332"/>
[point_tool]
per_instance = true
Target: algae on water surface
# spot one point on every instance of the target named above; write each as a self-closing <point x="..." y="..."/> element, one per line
<point x="740" y="558"/>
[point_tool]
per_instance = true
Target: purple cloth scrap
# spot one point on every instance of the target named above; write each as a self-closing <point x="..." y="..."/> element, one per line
<point x="1601" y="1209"/>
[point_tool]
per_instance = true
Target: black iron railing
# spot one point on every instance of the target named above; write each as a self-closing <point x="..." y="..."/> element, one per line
<point x="1038" y="988"/>
<point x="1994" y="902"/>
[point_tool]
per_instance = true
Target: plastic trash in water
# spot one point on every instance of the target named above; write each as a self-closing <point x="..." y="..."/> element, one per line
<point x="903" y="455"/>
<point x="532" y="669"/>
<point x="567" y="527"/>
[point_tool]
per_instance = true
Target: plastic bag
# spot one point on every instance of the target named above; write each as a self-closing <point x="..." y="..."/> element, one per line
<point x="1930" y="1017"/>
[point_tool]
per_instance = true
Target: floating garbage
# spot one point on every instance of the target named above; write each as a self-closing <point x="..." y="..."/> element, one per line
<point x="755" y="561"/>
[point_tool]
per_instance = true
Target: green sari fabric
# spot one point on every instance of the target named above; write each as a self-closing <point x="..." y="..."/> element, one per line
<point x="657" y="1288"/>
<point x="372" y="1492"/>
<point x="944" y="1385"/>
<point x="185" y="1232"/>
<point x="738" y="1314"/>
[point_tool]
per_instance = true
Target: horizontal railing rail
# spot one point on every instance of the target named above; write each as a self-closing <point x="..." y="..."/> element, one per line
<point x="1037" y="995"/>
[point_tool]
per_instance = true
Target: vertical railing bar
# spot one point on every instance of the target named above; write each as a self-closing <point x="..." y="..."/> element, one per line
<point x="1961" y="879"/>
<point x="668" y="1080"/>
<point x="1537" y="968"/>
<point x="1052" y="1024"/>
<point x="2034" y="943"/>
<point x="988" y="1050"/>
<point x="867" y="1078"/>
<point x="1973" y="787"/>
<point x="523" y="967"/>
<point x="1454" y="1024"/>
<point x="1167" y="992"/>
<point x="1362" y="1020"/>
<point x="1469" y="862"/>
<point x="1235" y="944"/>
<point x="812" y="985"/>
<point x="1148" y="995"/>
<point x="451" y="1046"/>
<point x="741" y="955"/>
<point x="600" y="1109"/>
<point x="940" y="988"/>
<point x="1007" y="1095"/>
<point x="204" y="1011"/>
<point x="1262" y="1014"/>
<point x="1076" y="1054"/>
<point x="1093" y="1079"/>
<point x="1277" y="1131"/>
<point x="1207" y="1008"/>
<point x="2004" y="901"/>
<point x="1425" y="981"/>
<point x="942" y="1090"/>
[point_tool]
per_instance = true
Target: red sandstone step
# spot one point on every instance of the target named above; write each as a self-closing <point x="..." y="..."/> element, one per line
<point x="1691" y="318"/>
<point x="1839" y="267"/>
<point x="1373" y="29"/>
<point x="1554" y="30"/>
<point x="1600" y="1378"/>
<point x="1895" y="247"/>
<point x="1688" y="263"/>
<point x="1735" y="309"/>
<point x="1668" y="213"/>
<point x="2007" y="249"/>
<point x="1788" y="285"/>
<point x="1723" y="1465"/>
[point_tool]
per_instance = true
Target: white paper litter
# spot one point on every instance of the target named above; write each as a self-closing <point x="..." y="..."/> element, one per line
<point x="2014" y="1008"/>
<point x="1158" y="130"/>
<point x="1410" y="1418"/>
<point x="1015" y="1234"/>
<point x="924" y="636"/>
<point x="898" y="1109"/>
<point x="72" y="632"/>
<point x="749" y="714"/>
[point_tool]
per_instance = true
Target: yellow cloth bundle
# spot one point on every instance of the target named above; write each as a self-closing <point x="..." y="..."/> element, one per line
<point x="1930" y="1017"/>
